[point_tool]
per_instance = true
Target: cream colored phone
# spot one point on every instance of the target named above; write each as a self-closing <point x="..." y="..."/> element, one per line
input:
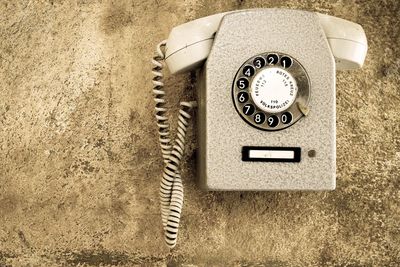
<point x="266" y="98"/>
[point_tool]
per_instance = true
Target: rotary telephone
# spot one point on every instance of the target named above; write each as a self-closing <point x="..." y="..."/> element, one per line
<point x="266" y="101"/>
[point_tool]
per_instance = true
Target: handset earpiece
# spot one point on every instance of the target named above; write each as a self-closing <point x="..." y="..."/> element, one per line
<point x="189" y="44"/>
<point x="347" y="41"/>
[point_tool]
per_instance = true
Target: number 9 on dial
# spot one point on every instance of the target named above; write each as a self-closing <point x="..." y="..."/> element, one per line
<point x="273" y="121"/>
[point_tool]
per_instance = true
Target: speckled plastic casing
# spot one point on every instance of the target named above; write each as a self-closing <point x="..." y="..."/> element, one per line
<point x="223" y="133"/>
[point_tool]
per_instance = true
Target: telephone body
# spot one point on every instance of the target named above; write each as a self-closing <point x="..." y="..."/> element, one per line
<point x="266" y="95"/>
<point x="227" y="41"/>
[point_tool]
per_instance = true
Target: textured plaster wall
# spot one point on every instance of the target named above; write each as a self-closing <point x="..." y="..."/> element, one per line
<point x="80" y="164"/>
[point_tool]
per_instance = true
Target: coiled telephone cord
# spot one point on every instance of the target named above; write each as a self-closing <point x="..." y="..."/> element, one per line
<point x="171" y="188"/>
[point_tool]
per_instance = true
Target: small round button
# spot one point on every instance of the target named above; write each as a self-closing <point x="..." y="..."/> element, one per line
<point x="248" y="109"/>
<point x="259" y="62"/>
<point x="286" y="62"/>
<point x="312" y="153"/>
<point x="273" y="121"/>
<point x="286" y="118"/>
<point x="273" y="89"/>
<point x="248" y="71"/>
<point x="272" y="59"/>
<point x="243" y="97"/>
<point x="242" y="83"/>
<point x="259" y="118"/>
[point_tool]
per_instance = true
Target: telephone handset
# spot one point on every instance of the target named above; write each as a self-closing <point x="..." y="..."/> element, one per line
<point x="189" y="44"/>
<point x="266" y="98"/>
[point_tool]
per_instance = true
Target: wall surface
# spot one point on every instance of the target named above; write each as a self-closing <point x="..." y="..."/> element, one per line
<point x="80" y="163"/>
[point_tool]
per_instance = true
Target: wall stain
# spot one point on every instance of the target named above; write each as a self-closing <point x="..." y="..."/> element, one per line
<point x="97" y="258"/>
<point x="264" y="264"/>
<point x="326" y="256"/>
<point x="23" y="239"/>
<point x="116" y="18"/>
<point x="3" y="258"/>
<point x="9" y="203"/>
<point x="99" y="143"/>
<point x="87" y="167"/>
<point x="103" y="257"/>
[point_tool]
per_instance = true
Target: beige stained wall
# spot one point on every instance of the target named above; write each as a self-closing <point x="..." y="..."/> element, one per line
<point x="80" y="164"/>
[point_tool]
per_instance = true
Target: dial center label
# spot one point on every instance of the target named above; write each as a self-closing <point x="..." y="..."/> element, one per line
<point x="273" y="90"/>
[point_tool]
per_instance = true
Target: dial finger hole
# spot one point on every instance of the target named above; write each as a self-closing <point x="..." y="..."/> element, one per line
<point x="272" y="59"/>
<point x="273" y="121"/>
<point x="248" y="109"/>
<point x="286" y="62"/>
<point x="248" y="71"/>
<point x="242" y="83"/>
<point x="286" y="118"/>
<point x="243" y="97"/>
<point x="259" y="62"/>
<point x="259" y="118"/>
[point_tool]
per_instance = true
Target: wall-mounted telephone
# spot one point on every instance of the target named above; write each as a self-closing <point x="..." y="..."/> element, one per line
<point x="266" y="98"/>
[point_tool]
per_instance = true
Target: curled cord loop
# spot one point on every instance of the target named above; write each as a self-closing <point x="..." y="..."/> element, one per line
<point x="171" y="188"/>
